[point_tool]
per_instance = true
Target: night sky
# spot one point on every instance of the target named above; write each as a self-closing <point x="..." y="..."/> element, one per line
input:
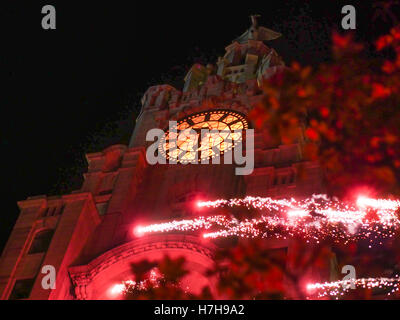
<point x="77" y="89"/>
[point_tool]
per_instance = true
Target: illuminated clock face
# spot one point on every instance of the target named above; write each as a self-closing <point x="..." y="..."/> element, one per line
<point x="203" y="135"/>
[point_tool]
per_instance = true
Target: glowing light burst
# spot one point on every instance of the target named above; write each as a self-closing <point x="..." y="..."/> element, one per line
<point x="378" y="203"/>
<point x="315" y="218"/>
<point x="129" y="285"/>
<point x="118" y="288"/>
<point x="339" y="288"/>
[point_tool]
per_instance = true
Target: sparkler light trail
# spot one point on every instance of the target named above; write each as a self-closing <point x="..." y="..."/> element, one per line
<point x="314" y="219"/>
<point x="340" y="288"/>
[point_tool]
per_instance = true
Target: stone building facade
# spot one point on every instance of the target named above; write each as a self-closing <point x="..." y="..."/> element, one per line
<point x="87" y="235"/>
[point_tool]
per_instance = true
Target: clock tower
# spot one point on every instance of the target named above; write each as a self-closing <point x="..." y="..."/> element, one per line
<point x="87" y="235"/>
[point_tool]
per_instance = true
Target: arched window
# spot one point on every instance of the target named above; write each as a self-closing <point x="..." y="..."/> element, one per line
<point x="41" y="242"/>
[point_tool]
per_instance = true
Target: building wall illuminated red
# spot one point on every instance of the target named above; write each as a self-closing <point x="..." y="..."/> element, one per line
<point x="91" y="243"/>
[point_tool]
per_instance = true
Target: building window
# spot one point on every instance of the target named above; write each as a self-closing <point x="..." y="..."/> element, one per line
<point x="22" y="289"/>
<point x="41" y="242"/>
<point x="53" y="211"/>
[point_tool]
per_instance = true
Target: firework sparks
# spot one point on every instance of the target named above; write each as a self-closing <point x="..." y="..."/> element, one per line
<point x="315" y="219"/>
<point x="339" y="288"/>
<point x="129" y="285"/>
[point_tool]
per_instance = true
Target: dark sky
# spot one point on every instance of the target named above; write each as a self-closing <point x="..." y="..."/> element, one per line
<point x="77" y="89"/>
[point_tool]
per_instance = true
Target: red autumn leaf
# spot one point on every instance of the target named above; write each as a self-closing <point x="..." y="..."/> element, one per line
<point x="375" y="142"/>
<point x="380" y="91"/>
<point x="301" y="93"/>
<point x="324" y="112"/>
<point x="340" y="41"/>
<point x="383" y="42"/>
<point x="388" y="67"/>
<point x="395" y="32"/>
<point x="312" y="134"/>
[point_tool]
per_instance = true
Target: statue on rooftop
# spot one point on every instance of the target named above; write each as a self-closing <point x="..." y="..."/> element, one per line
<point x="257" y="33"/>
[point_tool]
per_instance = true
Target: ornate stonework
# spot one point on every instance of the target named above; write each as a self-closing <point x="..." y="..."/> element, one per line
<point x="84" y="275"/>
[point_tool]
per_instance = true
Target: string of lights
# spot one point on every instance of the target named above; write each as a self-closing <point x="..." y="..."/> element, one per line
<point x="315" y="218"/>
